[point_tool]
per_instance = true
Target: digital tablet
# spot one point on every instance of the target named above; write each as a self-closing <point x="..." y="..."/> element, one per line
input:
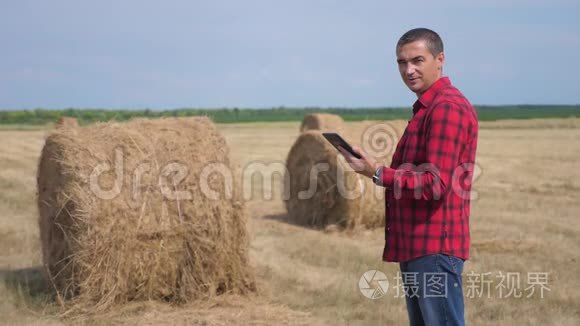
<point x="337" y="142"/>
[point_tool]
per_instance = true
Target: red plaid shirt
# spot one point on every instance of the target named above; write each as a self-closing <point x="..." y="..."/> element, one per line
<point x="429" y="181"/>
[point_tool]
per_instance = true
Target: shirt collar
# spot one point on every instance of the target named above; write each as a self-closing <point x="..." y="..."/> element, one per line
<point x="427" y="98"/>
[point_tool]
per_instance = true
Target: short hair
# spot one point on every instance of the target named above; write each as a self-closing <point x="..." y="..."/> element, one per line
<point x="432" y="40"/>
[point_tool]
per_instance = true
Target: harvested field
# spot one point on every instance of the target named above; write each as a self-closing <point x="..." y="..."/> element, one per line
<point x="524" y="220"/>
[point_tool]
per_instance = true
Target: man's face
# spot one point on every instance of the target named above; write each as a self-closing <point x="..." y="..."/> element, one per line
<point x="418" y="68"/>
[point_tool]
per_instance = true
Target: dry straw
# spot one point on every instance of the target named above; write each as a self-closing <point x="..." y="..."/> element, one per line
<point x="142" y="243"/>
<point x="322" y="121"/>
<point x="324" y="191"/>
<point x="67" y="122"/>
<point x="378" y="138"/>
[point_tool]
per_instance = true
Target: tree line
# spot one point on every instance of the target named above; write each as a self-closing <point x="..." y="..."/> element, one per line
<point x="232" y="115"/>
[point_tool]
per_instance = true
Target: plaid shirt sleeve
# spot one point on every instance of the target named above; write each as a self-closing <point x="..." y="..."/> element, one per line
<point x="429" y="180"/>
<point x="445" y="137"/>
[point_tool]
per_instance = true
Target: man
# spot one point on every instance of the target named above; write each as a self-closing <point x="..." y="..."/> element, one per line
<point x="428" y="185"/>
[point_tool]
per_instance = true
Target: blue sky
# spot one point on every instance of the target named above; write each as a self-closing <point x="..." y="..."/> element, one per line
<point x="169" y="54"/>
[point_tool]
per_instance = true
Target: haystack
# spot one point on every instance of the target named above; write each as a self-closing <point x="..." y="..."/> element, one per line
<point x="324" y="191"/>
<point x="67" y="122"/>
<point x="322" y="122"/>
<point x="142" y="210"/>
<point x="379" y="139"/>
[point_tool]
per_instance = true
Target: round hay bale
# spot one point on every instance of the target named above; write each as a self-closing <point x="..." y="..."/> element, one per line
<point x="132" y="211"/>
<point x="67" y="122"/>
<point x="323" y="190"/>
<point x="322" y="122"/>
<point x="379" y="139"/>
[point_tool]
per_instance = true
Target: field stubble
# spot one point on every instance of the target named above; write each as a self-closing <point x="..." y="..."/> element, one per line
<point x="525" y="219"/>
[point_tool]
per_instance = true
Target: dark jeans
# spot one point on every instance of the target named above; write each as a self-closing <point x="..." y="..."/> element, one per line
<point x="433" y="290"/>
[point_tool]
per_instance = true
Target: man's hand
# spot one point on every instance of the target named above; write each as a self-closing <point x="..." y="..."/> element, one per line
<point x="366" y="165"/>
